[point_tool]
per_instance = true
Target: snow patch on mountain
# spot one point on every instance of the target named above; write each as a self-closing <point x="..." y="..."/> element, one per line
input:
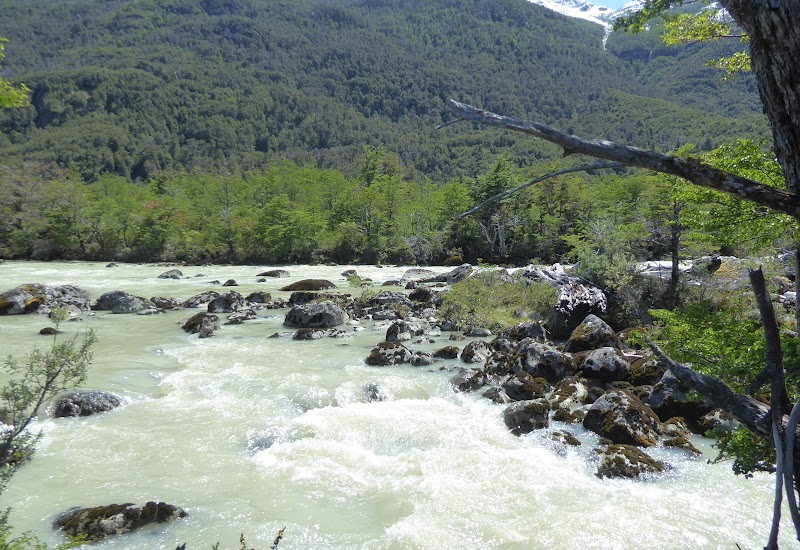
<point x="582" y="9"/>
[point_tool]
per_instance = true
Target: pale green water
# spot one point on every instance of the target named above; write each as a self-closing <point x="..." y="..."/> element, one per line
<point x="428" y="468"/>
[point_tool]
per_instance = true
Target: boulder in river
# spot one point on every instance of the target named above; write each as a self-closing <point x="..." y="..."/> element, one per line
<point x="165" y="303"/>
<point x="131" y="304"/>
<point x="309" y="284"/>
<point x="203" y="324"/>
<point x="627" y="461"/>
<point x="476" y="352"/>
<point x="229" y="302"/>
<point x="544" y="361"/>
<point x="389" y="353"/>
<point x="316" y="315"/>
<point x="34" y="297"/>
<point x="171" y="274"/>
<point x="525" y="416"/>
<point x="607" y="364"/>
<point x="275" y="273"/>
<point x="621" y="417"/>
<point x="230" y="282"/>
<point x="201" y="299"/>
<point x="103" y="521"/>
<point x="85" y="403"/>
<point x="259" y="297"/>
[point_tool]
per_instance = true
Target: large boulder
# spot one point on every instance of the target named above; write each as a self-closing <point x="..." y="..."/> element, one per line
<point x="85" y="403"/>
<point x="230" y="302"/>
<point x="591" y="334"/>
<point x="203" y="324"/>
<point x="389" y="353"/>
<point x="107" y="300"/>
<point x="131" y="304"/>
<point x="607" y="364"/>
<point x="309" y="284"/>
<point x="304" y="297"/>
<point x="523" y="387"/>
<point x="316" y="315"/>
<point x="103" y="521"/>
<point x="34" y="297"/>
<point x="469" y="380"/>
<point x="621" y="417"/>
<point x="627" y="461"/>
<point x="525" y="416"/>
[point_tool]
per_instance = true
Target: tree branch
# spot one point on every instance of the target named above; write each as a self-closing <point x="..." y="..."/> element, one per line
<point x="504" y="194"/>
<point x="692" y="170"/>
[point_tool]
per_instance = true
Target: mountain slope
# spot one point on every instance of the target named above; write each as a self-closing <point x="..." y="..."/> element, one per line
<point x="140" y="87"/>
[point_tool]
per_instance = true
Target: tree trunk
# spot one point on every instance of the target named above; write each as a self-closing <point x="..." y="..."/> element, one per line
<point x="774" y="29"/>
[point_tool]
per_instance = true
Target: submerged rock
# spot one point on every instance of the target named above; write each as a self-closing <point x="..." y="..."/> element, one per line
<point x="103" y="521"/>
<point x="85" y="403"/>
<point x="203" y="324"/>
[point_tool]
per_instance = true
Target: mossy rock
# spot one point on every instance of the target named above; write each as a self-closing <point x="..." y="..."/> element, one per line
<point x="627" y="461"/>
<point x="681" y="442"/>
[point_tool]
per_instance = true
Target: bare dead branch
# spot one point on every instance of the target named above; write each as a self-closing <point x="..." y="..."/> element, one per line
<point x="505" y="194"/>
<point x="692" y="170"/>
<point x="776" y="504"/>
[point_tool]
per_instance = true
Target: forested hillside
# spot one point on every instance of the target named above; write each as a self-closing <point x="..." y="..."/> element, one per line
<point x="139" y="88"/>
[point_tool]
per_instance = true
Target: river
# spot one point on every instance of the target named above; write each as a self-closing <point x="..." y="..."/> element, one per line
<point x="251" y="434"/>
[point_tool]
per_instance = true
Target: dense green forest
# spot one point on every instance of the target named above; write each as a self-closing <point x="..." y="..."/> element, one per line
<point x="304" y="130"/>
<point x="136" y="88"/>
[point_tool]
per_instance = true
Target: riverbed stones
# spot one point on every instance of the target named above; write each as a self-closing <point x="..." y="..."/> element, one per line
<point x="85" y="403"/>
<point x="239" y="317"/>
<point x="627" y="461"/>
<point x="591" y="334"/>
<point x="389" y="353"/>
<point x="203" y="324"/>
<point x="526" y="416"/>
<point x="103" y="521"/>
<point x="523" y="387"/>
<point x="416" y="274"/>
<point x="421" y="358"/>
<point x="402" y="331"/>
<point x="309" y="284"/>
<point x="315" y="315"/>
<point x="621" y="417"/>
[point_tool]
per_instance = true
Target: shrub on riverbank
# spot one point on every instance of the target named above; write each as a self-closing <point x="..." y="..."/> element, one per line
<point x="491" y="301"/>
